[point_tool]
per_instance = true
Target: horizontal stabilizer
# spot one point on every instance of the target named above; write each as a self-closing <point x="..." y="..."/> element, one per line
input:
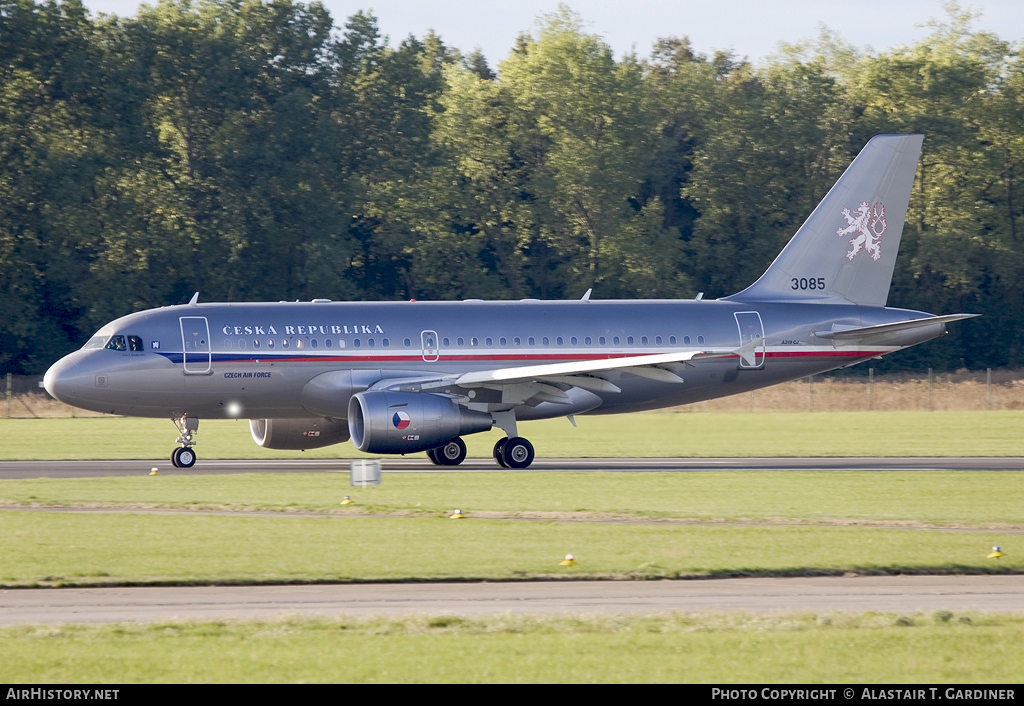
<point x="896" y="326"/>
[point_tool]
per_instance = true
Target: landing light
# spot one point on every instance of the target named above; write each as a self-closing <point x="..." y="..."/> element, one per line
<point x="234" y="409"/>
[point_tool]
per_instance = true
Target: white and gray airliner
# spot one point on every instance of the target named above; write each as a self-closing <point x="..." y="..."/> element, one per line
<point x="414" y="376"/>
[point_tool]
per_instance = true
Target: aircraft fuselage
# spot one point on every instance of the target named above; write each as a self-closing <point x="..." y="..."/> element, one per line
<point x="256" y="360"/>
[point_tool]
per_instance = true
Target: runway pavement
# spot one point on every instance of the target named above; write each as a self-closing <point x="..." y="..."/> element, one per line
<point x="419" y="464"/>
<point x="872" y="593"/>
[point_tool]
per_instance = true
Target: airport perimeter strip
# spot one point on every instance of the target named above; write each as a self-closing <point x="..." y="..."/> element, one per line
<point x="994" y="593"/>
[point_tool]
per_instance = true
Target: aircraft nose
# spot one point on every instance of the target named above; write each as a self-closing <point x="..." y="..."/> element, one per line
<point x="59" y="380"/>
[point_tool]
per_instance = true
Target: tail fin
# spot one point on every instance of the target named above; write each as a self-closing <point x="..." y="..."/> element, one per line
<point x="845" y="252"/>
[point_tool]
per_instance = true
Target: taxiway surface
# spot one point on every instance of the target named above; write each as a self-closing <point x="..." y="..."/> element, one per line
<point x="871" y="593"/>
<point x="85" y="469"/>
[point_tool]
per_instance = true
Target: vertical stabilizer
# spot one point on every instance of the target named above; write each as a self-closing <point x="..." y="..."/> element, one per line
<point x="845" y="252"/>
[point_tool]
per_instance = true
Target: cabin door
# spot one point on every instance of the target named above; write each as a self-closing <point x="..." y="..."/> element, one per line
<point x="195" y="345"/>
<point x="751" y="332"/>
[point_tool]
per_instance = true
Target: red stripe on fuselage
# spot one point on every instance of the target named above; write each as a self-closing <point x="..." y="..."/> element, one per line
<point x="521" y="357"/>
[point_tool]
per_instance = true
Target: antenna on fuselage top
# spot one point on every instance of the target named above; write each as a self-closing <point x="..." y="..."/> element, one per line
<point x="586" y="297"/>
<point x="194" y="300"/>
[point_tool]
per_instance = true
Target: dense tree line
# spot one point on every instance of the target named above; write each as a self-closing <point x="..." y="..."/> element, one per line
<point x="254" y="151"/>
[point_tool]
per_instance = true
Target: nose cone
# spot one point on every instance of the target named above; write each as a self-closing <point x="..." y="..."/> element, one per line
<point x="60" y="379"/>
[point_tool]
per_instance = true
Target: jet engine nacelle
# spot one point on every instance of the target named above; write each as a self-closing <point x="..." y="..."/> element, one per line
<point x="406" y="422"/>
<point x="297" y="434"/>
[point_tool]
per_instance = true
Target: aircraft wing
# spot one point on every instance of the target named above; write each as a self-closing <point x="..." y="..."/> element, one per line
<point x="539" y="382"/>
<point x="863" y="331"/>
<point x="638" y="364"/>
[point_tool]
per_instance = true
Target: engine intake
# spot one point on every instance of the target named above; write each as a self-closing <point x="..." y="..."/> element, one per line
<point x="297" y="434"/>
<point x="406" y="422"/>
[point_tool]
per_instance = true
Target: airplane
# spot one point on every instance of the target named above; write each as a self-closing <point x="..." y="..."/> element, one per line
<point x="413" y="376"/>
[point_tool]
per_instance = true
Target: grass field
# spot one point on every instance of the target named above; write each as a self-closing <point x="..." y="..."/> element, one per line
<point x="780" y="523"/>
<point x="39" y="548"/>
<point x="652" y="434"/>
<point x="982" y="499"/>
<point x="787" y="648"/>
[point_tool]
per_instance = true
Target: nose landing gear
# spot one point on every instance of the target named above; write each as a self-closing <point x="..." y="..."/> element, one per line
<point x="185" y="456"/>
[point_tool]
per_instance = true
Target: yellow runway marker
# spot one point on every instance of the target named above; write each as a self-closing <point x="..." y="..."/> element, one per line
<point x="569" y="560"/>
<point x="457" y="515"/>
<point x="347" y="500"/>
<point x="996" y="553"/>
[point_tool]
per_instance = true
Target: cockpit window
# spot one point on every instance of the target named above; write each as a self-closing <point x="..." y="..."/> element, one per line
<point x="116" y="343"/>
<point x="135" y="343"/>
<point x="95" y="342"/>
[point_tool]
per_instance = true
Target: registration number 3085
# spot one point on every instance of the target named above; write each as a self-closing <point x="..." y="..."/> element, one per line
<point x="808" y="283"/>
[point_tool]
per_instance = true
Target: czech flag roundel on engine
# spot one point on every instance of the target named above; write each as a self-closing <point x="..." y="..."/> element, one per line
<point x="400" y="420"/>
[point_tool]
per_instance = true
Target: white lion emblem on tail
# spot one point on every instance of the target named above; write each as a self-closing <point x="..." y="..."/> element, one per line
<point x="869" y="223"/>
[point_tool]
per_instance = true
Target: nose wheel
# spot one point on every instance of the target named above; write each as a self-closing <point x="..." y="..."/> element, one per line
<point x="185" y="455"/>
<point x="515" y="452"/>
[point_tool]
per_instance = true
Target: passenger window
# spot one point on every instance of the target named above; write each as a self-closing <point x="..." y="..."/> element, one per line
<point x="270" y="343"/>
<point x="601" y="340"/>
<point x="313" y="343"/>
<point x="572" y="340"/>
<point x="544" y="340"/>
<point x="700" y="340"/>
<point x="408" y="343"/>
<point x="461" y="342"/>
<point x="629" y="340"/>
<point x="328" y="343"/>
<point x="686" y="340"/>
<point x="488" y="341"/>
<point x="558" y="341"/>
<point x="356" y="342"/>
<point x="255" y="343"/>
<point x="503" y="341"/>
<point x="284" y="342"/>
<point x="474" y="341"/>
<point x="657" y="340"/>
<point x="532" y="341"/>
<point x="370" y="342"/>
<point x="517" y="341"/>
<point x="643" y="340"/>
<point x="385" y="343"/>
<point x="298" y="343"/>
<point x="672" y="340"/>
<point x="586" y="341"/>
<point x="241" y="344"/>
<point x="116" y="343"/>
<point x="227" y="345"/>
<point x="445" y="342"/>
<point x="615" y="341"/>
<point x="95" y="342"/>
<point x="135" y="344"/>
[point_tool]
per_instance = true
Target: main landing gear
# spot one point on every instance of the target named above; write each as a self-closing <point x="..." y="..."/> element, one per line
<point x="513" y="452"/>
<point x="451" y="454"/>
<point x="185" y="455"/>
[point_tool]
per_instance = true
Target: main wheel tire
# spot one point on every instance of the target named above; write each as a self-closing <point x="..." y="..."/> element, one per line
<point x="186" y="458"/>
<point x="432" y="455"/>
<point x="451" y="454"/>
<point x="498" y="447"/>
<point x="517" y="453"/>
<point x="174" y="457"/>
